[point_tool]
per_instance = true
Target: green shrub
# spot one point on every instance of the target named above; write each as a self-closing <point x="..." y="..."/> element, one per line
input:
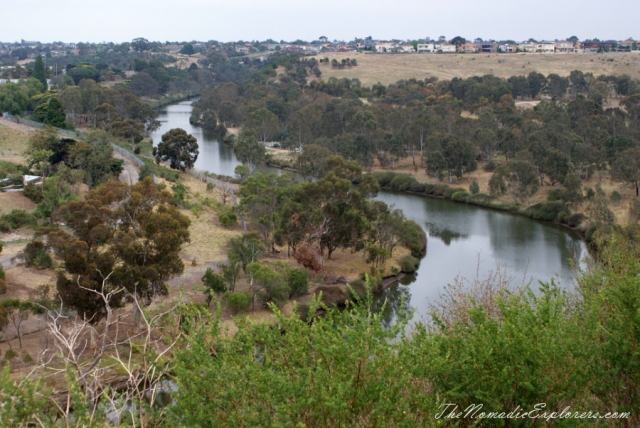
<point x="460" y="196"/>
<point x="546" y="210"/>
<point x="574" y="220"/>
<point x="33" y="192"/>
<point x="384" y="178"/>
<point x="136" y="151"/>
<point x="298" y="281"/>
<point x="409" y="264"/>
<point x="563" y="217"/>
<point x="178" y="198"/>
<point x="36" y="255"/>
<point x="402" y="182"/>
<point x="303" y="310"/>
<point x="237" y="301"/>
<point x="553" y="195"/>
<point x="227" y="219"/>
<point x="490" y="166"/>
<point x="615" y="196"/>
<point x="589" y="193"/>
<point x="357" y="289"/>
<point x="3" y="286"/>
<point x="17" y="219"/>
<point x="474" y="188"/>
<point x="375" y="282"/>
<point x="417" y="187"/>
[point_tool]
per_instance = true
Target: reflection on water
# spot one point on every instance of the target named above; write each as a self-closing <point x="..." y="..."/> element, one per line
<point x="214" y="156"/>
<point x="443" y="234"/>
<point x="463" y="239"/>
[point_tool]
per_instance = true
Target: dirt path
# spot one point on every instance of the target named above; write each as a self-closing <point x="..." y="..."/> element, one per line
<point x="130" y="174"/>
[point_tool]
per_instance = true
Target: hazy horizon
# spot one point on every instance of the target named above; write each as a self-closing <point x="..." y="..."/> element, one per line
<point x="163" y="20"/>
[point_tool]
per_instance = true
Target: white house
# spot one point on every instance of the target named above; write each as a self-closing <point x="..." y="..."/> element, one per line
<point x="445" y="47"/>
<point x="426" y="47"/>
<point x="545" y="47"/>
<point x="386" y="47"/>
<point x="527" y="47"/>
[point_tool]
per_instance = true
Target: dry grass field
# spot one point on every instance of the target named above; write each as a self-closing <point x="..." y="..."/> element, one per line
<point x="14" y="139"/>
<point x="389" y="68"/>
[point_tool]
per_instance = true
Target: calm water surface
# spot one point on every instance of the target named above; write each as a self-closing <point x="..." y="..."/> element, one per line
<point x="461" y="237"/>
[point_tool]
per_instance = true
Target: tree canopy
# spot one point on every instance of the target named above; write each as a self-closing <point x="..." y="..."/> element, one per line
<point x="125" y="241"/>
<point x="178" y="148"/>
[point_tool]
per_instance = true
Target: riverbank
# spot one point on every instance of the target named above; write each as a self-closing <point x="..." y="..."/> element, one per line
<point x="171" y="99"/>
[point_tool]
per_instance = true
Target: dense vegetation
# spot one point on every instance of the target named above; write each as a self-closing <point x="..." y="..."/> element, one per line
<point x="507" y="349"/>
<point x="574" y="133"/>
<point x="491" y="344"/>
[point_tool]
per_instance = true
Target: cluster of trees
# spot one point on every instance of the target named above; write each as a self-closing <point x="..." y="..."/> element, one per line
<point x="65" y="163"/>
<point x="115" y="110"/>
<point x="25" y="95"/>
<point x="122" y="241"/>
<point x="321" y="216"/>
<point x="423" y="120"/>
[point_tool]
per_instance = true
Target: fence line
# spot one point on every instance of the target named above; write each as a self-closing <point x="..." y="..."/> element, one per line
<point x="34" y="124"/>
<point x="127" y="154"/>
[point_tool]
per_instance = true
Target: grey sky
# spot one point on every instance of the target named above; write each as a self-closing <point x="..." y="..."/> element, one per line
<point x="185" y="20"/>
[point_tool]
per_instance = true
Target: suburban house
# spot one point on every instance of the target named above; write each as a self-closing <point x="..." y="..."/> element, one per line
<point x="406" y="47"/>
<point x="468" y="48"/>
<point x="445" y="47"/>
<point x="487" y="47"/>
<point x="546" y="47"/>
<point x="565" y="47"/>
<point x="386" y="47"/>
<point x="624" y="46"/>
<point x="507" y="47"/>
<point x="242" y="49"/>
<point x="527" y="47"/>
<point x="426" y="47"/>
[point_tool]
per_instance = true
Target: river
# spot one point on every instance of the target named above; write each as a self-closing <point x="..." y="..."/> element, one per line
<point x="463" y="240"/>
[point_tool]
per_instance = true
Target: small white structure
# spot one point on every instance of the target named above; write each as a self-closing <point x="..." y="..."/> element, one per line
<point x="30" y="179"/>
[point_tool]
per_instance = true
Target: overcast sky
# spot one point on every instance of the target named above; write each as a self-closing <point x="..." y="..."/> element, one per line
<point x="231" y="20"/>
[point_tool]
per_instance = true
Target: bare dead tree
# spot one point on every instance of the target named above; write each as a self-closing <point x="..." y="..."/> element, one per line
<point x="82" y="346"/>
<point x="224" y="190"/>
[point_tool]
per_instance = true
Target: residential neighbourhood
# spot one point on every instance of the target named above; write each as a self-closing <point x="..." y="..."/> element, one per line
<point x="23" y="50"/>
<point x="17" y="57"/>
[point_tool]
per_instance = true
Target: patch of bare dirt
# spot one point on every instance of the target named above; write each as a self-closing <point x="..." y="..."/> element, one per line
<point x="15" y="201"/>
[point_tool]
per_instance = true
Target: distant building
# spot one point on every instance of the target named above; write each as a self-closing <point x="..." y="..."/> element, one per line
<point x="527" y="47"/>
<point x="468" y="48"/>
<point x="445" y="47"/>
<point x="407" y="47"/>
<point x="386" y="47"/>
<point x="426" y="47"/>
<point x="565" y="46"/>
<point x="624" y="46"/>
<point x="507" y="47"/>
<point x="487" y="47"/>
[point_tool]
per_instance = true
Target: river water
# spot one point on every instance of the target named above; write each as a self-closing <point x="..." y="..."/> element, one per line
<point x="463" y="240"/>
